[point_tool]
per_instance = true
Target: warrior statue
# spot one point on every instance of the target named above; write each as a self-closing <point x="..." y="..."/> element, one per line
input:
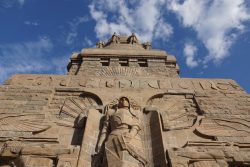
<point x="114" y="39"/>
<point x="123" y="144"/>
<point x="133" y="39"/>
<point x="100" y="44"/>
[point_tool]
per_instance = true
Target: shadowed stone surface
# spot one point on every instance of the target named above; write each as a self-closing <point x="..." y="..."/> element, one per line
<point x="123" y="104"/>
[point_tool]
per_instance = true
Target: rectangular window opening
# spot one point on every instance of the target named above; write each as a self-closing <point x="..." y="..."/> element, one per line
<point x="143" y="62"/>
<point x="105" y="61"/>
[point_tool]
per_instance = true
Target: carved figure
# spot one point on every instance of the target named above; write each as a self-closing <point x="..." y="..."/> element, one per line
<point x="133" y="39"/>
<point x="100" y="44"/>
<point x="123" y="146"/>
<point x="147" y="45"/>
<point x="114" y="39"/>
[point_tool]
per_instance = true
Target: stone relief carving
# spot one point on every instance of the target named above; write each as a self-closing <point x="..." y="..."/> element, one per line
<point x="74" y="110"/>
<point x="76" y="113"/>
<point x="133" y="39"/>
<point x="123" y="145"/>
<point x="203" y="137"/>
<point x="93" y="82"/>
<point x="147" y="45"/>
<point x="114" y="39"/>
<point x="33" y="123"/>
<point x="216" y="126"/>
<point x="213" y="153"/>
<point x="37" y="150"/>
<point x="177" y="111"/>
<point x="118" y="71"/>
<point x="178" y="114"/>
<point x="192" y="158"/>
<point x="100" y="44"/>
<point x="23" y="136"/>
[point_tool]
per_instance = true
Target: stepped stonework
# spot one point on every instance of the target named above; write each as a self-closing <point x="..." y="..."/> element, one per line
<point x="123" y="104"/>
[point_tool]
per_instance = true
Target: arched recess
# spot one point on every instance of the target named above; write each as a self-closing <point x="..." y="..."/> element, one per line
<point x="177" y="110"/>
<point x="93" y="96"/>
<point x="76" y="108"/>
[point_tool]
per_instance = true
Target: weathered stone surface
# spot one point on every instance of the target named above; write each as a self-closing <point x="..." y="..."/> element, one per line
<point x="123" y="104"/>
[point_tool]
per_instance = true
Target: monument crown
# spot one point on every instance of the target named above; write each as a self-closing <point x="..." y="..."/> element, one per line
<point x="124" y="52"/>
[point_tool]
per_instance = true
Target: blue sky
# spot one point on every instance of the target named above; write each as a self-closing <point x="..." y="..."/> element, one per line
<point x="210" y="38"/>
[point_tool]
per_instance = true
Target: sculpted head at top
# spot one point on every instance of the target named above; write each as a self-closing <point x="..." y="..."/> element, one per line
<point x="123" y="102"/>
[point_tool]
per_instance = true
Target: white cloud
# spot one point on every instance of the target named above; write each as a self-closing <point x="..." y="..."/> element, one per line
<point x="11" y="3"/>
<point x="21" y="2"/>
<point x="190" y="52"/>
<point x="6" y="3"/>
<point x="163" y="30"/>
<point x="87" y="42"/>
<point x="218" y="23"/>
<point x="73" y="29"/>
<point x="28" y="57"/>
<point x="31" y="23"/>
<point x="124" y="17"/>
<point x="70" y="38"/>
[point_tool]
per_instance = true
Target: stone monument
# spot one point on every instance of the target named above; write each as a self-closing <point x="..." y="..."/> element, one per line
<point x="123" y="104"/>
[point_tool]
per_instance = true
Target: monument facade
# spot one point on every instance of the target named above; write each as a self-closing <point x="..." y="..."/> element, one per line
<point x="123" y="104"/>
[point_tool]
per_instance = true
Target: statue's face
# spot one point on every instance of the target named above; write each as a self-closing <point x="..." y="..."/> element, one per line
<point x="123" y="102"/>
